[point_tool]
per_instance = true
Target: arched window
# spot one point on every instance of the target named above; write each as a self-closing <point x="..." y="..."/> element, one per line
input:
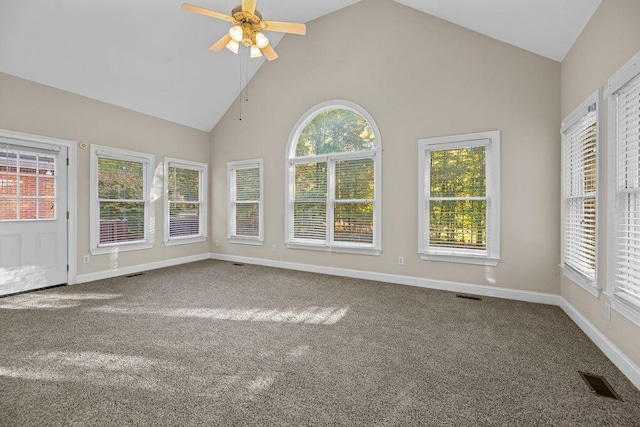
<point x="333" y="180"/>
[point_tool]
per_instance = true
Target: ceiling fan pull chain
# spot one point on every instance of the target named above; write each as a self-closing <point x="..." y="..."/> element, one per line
<point x="240" y="59"/>
<point x="246" y="76"/>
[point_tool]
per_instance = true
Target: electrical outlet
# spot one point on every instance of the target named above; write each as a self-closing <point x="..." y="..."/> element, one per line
<point x="607" y="310"/>
<point x="274" y="248"/>
<point x="217" y="242"/>
<point x="400" y="260"/>
<point x="85" y="259"/>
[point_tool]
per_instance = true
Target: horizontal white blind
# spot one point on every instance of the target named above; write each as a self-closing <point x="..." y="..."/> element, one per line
<point x="457" y="201"/>
<point x="627" y="218"/>
<point x="246" y="199"/>
<point x="122" y="193"/>
<point x="27" y="185"/>
<point x="308" y="208"/>
<point x="354" y="201"/>
<point x="579" y="193"/>
<point x="184" y="201"/>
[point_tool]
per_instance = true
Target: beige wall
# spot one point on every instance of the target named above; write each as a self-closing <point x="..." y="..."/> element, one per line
<point x="433" y="79"/>
<point x="609" y="40"/>
<point x="34" y="108"/>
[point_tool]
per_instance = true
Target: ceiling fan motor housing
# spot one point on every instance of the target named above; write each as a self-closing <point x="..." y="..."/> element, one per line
<point x="249" y="22"/>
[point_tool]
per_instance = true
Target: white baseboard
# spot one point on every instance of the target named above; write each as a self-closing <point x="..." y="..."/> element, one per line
<point x="107" y="274"/>
<point x="465" y="288"/>
<point x="622" y="362"/>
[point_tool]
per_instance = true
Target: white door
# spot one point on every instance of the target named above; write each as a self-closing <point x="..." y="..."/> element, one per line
<point x="33" y="215"/>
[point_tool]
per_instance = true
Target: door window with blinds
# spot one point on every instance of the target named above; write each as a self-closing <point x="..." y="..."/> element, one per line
<point x="121" y="210"/>
<point x="623" y="283"/>
<point x="459" y="193"/>
<point x="245" y="195"/>
<point x="27" y="184"/>
<point x="580" y="143"/>
<point x="185" y="206"/>
<point x="333" y="192"/>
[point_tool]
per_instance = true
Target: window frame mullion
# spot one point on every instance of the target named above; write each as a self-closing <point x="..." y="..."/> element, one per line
<point x="331" y="197"/>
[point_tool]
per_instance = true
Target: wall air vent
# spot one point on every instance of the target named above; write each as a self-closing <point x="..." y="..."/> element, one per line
<point x="134" y="274"/>
<point x="471" y="297"/>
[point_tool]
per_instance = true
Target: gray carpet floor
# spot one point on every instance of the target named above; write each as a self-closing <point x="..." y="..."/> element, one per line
<point x="212" y="343"/>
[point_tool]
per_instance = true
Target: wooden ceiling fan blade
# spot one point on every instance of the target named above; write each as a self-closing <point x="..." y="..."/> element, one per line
<point x="207" y="12"/>
<point x="269" y="53"/>
<point x="249" y="6"/>
<point x="285" y="27"/>
<point x="220" y="44"/>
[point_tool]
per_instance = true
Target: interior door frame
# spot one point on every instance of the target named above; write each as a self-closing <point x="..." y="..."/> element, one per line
<point x="72" y="190"/>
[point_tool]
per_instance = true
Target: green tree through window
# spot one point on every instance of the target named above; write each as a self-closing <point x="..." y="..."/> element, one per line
<point x="457" y="217"/>
<point x="121" y="195"/>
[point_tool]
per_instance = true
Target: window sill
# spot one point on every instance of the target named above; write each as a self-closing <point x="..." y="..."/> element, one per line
<point x="462" y="259"/>
<point x="185" y="241"/>
<point x="339" y="249"/>
<point x="246" y="240"/>
<point x="123" y="247"/>
<point x="625" y="308"/>
<point x="581" y="281"/>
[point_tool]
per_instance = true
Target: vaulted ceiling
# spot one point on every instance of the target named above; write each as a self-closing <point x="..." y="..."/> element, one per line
<point x="151" y="56"/>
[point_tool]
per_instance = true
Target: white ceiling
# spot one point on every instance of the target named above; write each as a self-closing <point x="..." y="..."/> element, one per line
<point x="546" y="27"/>
<point x="145" y="55"/>
<point x="151" y="56"/>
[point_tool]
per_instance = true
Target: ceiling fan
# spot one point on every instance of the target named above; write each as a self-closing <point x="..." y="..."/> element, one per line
<point x="247" y="29"/>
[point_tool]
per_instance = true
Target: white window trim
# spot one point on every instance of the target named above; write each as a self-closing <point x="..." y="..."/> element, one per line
<point x="616" y="81"/>
<point x="290" y="159"/>
<point x="202" y="168"/>
<point x="491" y="140"/>
<point x="579" y="279"/>
<point x="231" y="237"/>
<point x="149" y="210"/>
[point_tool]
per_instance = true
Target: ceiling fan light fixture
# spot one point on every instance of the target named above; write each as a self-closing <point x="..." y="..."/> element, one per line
<point x="255" y="52"/>
<point x="261" y="40"/>
<point x="236" y="33"/>
<point x="247" y="25"/>
<point x="233" y="46"/>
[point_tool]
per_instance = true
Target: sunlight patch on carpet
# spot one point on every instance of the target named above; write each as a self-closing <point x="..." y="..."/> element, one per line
<point x="94" y="360"/>
<point x="50" y="300"/>
<point x="309" y="315"/>
<point x="96" y="368"/>
<point x="30" y="374"/>
<point x="299" y="351"/>
<point x="260" y="384"/>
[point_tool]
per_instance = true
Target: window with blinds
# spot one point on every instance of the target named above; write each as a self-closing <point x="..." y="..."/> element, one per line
<point x="184" y="201"/>
<point x="580" y="179"/>
<point x="625" y="248"/>
<point x="309" y="207"/>
<point x="27" y="185"/>
<point x="121" y="212"/>
<point x="122" y="196"/>
<point x="333" y="196"/>
<point x="459" y="198"/>
<point x="185" y="209"/>
<point x="245" y="201"/>
<point x="354" y="201"/>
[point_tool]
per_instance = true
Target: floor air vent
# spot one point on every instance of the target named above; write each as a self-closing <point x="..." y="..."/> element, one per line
<point x="134" y="274"/>
<point x="469" y="297"/>
<point x="599" y="386"/>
